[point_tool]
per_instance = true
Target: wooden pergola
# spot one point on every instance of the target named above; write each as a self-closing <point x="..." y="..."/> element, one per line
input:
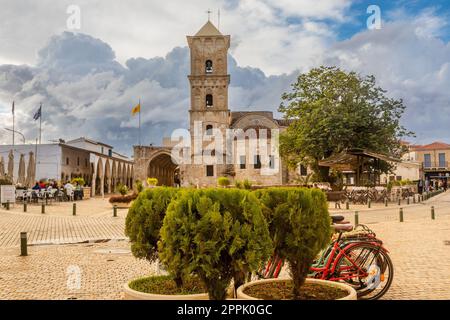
<point x="356" y="160"/>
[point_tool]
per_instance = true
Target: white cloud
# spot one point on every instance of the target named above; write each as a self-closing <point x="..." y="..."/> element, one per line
<point x="411" y="65"/>
<point x="84" y="91"/>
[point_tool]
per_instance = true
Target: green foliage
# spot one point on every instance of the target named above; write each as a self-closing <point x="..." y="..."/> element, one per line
<point x="399" y="183"/>
<point x="145" y="218"/>
<point x="216" y="234"/>
<point x="246" y="184"/>
<point x="223" y="182"/>
<point x="299" y="225"/>
<point x="238" y="184"/>
<point x="122" y="189"/>
<point x="152" y="181"/>
<point x="333" y="110"/>
<point x="80" y="181"/>
<point x="139" y="186"/>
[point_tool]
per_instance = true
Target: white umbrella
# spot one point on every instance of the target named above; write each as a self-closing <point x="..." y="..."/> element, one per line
<point x="11" y="166"/>
<point x="31" y="174"/>
<point x="21" y="178"/>
<point x="2" y="168"/>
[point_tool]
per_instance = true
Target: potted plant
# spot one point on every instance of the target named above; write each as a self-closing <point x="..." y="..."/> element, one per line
<point x="215" y="234"/>
<point x="300" y="229"/>
<point x="124" y="199"/>
<point x="142" y="226"/>
<point x="223" y="182"/>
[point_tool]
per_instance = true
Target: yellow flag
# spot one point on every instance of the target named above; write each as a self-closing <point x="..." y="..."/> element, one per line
<point x="136" y="109"/>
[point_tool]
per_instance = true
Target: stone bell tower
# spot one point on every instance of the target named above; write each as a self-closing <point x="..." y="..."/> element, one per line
<point x="209" y="81"/>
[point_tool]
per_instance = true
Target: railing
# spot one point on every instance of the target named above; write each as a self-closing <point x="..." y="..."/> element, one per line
<point x="435" y="165"/>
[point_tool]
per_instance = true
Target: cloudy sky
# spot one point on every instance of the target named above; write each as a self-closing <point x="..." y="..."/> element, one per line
<point x="89" y="78"/>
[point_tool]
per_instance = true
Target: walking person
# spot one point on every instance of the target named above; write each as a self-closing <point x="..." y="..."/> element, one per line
<point x="420" y="186"/>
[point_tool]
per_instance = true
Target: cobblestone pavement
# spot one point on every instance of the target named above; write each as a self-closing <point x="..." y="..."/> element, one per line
<point x="51" y="272"/>
<point x="94" y="222"/>
<point x="419" y="248"/>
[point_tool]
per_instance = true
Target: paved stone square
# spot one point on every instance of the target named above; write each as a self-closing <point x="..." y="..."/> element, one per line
<point x="419" y="248"/>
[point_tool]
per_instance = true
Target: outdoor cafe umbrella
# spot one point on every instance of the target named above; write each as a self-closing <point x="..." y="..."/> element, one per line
<point x="31" y="174"/>
<point x="2" y="168"/>
<point x="21" y="178"/>
<point x="11" y="165"/>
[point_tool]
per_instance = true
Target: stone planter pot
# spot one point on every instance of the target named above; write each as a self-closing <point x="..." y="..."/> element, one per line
<point x="131" y="294"/>
<point x="122" y="205"/>
<point x="351" y="292"/>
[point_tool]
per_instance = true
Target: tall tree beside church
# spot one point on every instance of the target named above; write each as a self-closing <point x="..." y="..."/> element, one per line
<point x="334" y="110"/>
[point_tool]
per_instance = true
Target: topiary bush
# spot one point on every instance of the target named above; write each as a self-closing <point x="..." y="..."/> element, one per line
<point x="139" y="186"/>
<point x="122" y="189"/>
<point x="144" y="221"/>
<point x="246" y="184"/>
<point x="299" y="225"/>
<point x="215" y="234"/>
<point x="223" y="182"/>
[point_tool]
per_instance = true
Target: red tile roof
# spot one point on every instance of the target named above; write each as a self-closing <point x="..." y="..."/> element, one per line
<point x="437" y="145"/>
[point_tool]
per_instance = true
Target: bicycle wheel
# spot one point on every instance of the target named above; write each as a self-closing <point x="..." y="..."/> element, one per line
<point x="368" y="269"/>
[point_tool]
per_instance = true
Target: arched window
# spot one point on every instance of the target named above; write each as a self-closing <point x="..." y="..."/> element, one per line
<point x="209" y="129"/>
<point x="208" y="66"/>
<point x="209" y="100"/>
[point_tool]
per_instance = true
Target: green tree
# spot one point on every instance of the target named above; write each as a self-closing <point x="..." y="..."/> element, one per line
<point x="333" y="110"/>
<point x="299" y="225"/>
<point x="216" y="234"/>
<point x="145" y="219"/>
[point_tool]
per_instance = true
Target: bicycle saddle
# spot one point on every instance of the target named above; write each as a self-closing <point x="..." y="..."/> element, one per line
<point x="336" y="218"/>
<point x="342" y="227"/>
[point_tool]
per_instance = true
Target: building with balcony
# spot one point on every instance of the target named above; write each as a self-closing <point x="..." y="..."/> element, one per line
<point x="434" y="159"/>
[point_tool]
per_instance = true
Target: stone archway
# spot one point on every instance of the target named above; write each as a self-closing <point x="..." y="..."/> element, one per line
<point x="162" y="168"/>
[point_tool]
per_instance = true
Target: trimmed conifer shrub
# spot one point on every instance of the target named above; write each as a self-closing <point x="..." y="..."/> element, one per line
<point x="214" y="234"/>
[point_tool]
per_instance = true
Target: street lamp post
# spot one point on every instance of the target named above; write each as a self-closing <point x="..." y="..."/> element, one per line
<point x="15" y="131"/>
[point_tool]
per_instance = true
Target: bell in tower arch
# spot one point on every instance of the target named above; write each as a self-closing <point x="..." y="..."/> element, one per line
<point x="208" y="66"/>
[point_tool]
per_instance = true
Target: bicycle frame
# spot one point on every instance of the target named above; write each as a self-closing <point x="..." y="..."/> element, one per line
<point x="326" y="265"/>
<point x="326" y="271"/>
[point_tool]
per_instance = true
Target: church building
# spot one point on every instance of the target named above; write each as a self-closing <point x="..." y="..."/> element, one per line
<point x="210" y="114"/>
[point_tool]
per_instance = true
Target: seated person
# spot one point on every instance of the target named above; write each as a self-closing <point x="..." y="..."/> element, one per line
<point x="36" y="187"/>
<point x="69" y="188"/>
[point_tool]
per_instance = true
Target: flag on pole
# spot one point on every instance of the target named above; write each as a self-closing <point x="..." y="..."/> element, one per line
<point x="136" y="109"/>
<point x="38" y="113"/>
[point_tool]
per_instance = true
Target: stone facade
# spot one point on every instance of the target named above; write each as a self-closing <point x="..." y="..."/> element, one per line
<point x="210" y="117"/>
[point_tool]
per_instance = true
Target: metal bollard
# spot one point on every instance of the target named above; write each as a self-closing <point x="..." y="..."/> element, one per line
<point x="74" y="209"/>
<point x="407" y="200"/>
<point x="399" y="201"/>
<point x="23" y="244"/>
<point x="115" y="211"/>
<point x="432" y="213"/>
<point x="356" y="218"/>
<point x="401" y="214"/>
<point x="7" y="205"/>
<point x="414" y="198"/>
<point x="25" y="207"/>
<point x="347" y="205"/>
<point x="369" y="203"/>
<point x="385" y="202"/>
<point x="43" y="208"/>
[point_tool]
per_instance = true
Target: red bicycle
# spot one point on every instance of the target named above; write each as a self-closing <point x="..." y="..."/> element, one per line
<point x="355" y="256"/>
